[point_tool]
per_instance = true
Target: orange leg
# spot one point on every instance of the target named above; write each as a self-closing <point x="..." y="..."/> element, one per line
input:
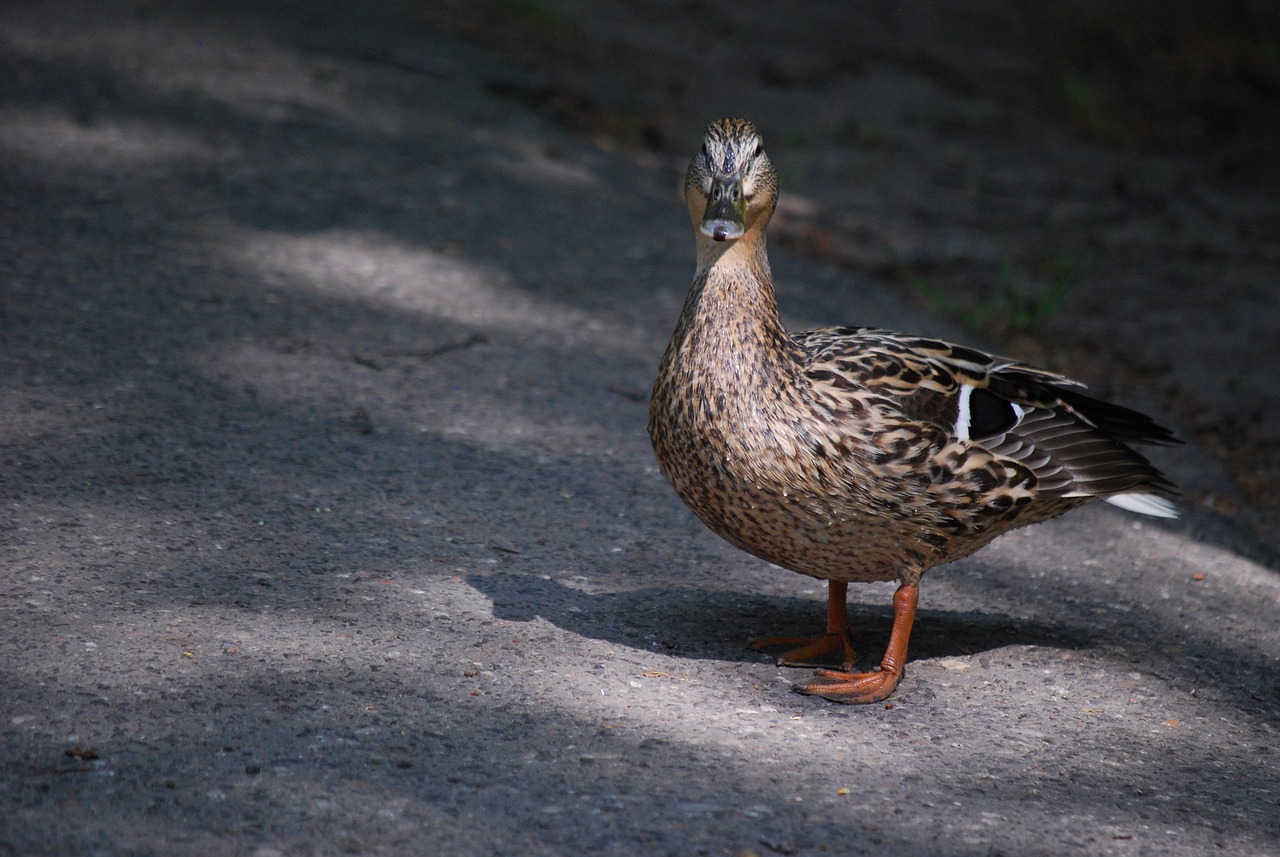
<point x="813" y="651"/>
<point x="855" y="688"/>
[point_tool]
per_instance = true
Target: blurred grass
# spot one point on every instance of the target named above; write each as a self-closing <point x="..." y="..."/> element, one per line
<point x="1015" y="305"/>
<point x="1089" y="111"/>
<point x="532" y="12"/>
<point x="1146" y="71"/>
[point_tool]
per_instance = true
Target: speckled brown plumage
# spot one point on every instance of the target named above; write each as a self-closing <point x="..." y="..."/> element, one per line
<point x="856" y="454"/>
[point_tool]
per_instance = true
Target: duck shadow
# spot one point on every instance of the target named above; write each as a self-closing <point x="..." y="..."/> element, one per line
<point x="715" y="625"/>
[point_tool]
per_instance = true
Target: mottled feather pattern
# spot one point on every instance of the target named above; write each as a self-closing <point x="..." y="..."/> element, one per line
<point x="858" y="454"/>
<point x="1051" y="428"/>
<point x="722" y="148"/>
<point x="855" y="453"/>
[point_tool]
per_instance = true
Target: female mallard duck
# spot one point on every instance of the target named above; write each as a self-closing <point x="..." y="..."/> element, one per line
<point x="856" y="454"/>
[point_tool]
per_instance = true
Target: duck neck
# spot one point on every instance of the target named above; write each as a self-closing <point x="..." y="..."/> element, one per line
<point x="732" y="303"/>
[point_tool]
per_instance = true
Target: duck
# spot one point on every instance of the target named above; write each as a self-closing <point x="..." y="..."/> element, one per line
<point x="857" y="454"/>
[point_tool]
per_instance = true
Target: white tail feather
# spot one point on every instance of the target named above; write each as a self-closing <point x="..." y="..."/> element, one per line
<point x="1144" y="504"/>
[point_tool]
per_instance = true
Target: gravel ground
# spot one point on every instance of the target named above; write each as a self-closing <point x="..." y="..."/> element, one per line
<point x="330" y="524"/>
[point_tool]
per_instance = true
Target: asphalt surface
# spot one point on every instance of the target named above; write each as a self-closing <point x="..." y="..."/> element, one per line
<point x="330" y="524"/>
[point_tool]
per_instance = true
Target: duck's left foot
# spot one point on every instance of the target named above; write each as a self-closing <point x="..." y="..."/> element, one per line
<point x="861" y="688"/>
<point x="852" y="688"/>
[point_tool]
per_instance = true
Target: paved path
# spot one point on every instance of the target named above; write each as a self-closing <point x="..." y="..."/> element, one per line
<point x="330" y="524"/>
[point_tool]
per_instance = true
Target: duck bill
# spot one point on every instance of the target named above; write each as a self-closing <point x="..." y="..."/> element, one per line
<point x="725" y="217"/>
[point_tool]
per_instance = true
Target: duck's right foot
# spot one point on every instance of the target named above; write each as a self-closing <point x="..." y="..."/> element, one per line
<point x="823" y="650"/>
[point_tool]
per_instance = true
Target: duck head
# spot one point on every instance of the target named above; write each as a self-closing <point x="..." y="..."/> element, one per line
<point x="730" y="186"/>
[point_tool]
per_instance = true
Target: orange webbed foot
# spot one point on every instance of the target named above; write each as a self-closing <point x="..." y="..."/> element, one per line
<point x="861" y="688"/>
<point x="823" y="650"/>
<point x="834" y="646"/>
<point x="852" y="688"/>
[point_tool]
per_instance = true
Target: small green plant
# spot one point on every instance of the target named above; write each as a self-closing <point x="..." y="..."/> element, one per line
<point x="1011" y="308"/>
<point x="862" y="135"/>
<point x="1090" y="111"/>
<point x="794" y="140"/>
<point x="532" y="12"/>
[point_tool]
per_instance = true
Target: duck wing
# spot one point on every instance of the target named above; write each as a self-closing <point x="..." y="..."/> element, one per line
<point x="979" y="406"/>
